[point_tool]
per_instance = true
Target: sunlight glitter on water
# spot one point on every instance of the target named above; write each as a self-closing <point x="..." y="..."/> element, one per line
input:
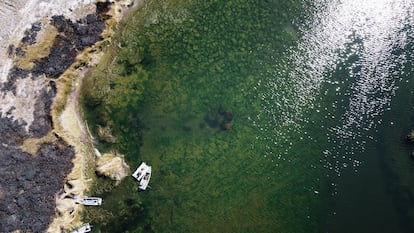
<point x="364" y="39"/>
<point x="372" y="31"/>
<point x="380" y="28"/>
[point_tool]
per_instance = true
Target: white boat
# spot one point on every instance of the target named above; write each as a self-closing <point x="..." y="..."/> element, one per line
<point x="140" y="172"/>
<point x="143" y="175"/>
<point x="82" y="229"/>
<point x="95" y="201"/>
<point x="143" y="184"/>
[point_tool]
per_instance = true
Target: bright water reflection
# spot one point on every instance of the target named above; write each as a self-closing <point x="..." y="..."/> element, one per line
<point x="353" y="54"/>
<point x="364" y="39"/>
<point x="341" y="77"/>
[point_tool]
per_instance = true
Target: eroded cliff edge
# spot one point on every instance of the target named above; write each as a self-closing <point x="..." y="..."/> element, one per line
<point x="43" y="143"/>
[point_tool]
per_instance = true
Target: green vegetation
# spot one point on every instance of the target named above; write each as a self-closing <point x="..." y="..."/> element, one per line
<point x="163" y="91"/>
<point x="111" y="93"/>
<point x="121" y="212"/>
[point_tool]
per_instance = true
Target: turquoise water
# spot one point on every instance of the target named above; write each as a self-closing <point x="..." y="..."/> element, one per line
<point x="266" y="116"/>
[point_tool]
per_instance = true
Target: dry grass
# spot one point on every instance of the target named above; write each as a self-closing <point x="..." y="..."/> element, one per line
<point x="37" y="51"/>
<point x="32" y="145"/>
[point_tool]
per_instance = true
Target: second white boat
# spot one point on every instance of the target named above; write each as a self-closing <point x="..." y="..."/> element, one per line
<point x="143" y="175"/>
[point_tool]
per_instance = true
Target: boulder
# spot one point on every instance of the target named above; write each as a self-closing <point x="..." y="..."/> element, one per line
<point x="113" y="166"/>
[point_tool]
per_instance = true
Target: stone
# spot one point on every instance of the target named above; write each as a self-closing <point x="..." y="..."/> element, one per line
<point x="113" y="166"/>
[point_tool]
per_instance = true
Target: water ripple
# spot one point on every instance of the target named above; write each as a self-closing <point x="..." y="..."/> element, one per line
<point x="366" y="40"/>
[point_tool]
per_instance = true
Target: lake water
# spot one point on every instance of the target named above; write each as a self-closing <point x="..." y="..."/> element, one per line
<point x="273" y="116"/>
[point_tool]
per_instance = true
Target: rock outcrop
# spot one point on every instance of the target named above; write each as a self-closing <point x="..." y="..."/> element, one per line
<point x="113" y="166"/>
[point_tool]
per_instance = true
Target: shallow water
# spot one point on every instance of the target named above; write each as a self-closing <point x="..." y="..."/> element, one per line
<point x="316" y="100"/>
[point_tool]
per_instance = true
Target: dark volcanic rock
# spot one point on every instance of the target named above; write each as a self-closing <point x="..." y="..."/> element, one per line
<point x="10" y="50"/>
<point x="12" y="132"/>
<point x="60" y="58"/>
<point x="73" y="37"/>
<point x="28" y="183"/>
<point x="62" y="24"/>
<point x="43" y="104"/>
<point x="102" y="8"/>
<point x="20" y="52"/>
<point x="14" y="74"/>
<point x="31" y="34"/>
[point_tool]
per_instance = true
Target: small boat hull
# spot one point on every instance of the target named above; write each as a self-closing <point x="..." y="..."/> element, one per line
<point x="143" y="175"/>
<point x="83" y="229"/>
<point x="140" y="172"/>
<point x="143" y="184"/>
<point x="91" y="201"/>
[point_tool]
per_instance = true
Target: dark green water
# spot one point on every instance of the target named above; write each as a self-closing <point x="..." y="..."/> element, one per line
<point x="262" y="116"/>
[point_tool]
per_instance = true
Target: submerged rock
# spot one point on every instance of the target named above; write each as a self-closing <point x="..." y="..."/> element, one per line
<point x="105" y="134"/>
<point x="226" y="126"/>
<point x="221" y="118"/>
<point x="410" y="137"/>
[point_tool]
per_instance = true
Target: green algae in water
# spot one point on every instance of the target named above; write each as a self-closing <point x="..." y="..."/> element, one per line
<point x="204" y="60"/>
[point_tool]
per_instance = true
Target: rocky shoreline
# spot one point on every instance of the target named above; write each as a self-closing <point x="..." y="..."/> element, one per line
<point x="43" y="152"/>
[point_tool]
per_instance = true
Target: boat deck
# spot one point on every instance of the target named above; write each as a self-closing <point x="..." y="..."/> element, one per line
<point x="92" y="201"/>
<point x="83" y="229"/>
<point x="143" y="175"/>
